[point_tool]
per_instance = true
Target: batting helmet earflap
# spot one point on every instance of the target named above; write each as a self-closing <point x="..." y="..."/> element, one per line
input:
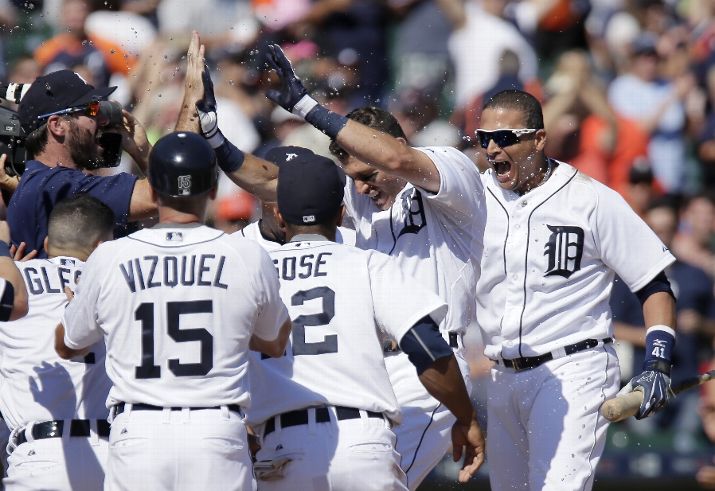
<point x="182" y="164"/>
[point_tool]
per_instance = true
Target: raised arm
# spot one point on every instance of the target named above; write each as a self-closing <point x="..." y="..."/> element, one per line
<point x="373" y="147"/>
<point x="198" y="114"/>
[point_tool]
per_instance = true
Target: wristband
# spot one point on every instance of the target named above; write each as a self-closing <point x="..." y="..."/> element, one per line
<point x="5" y="249"/>
<point x="213" y="135"/>
<point x="304" y="106"/>
<point x="659" y="343"/>
<point x="326" y="121"/>
<point x="229" y="157"/>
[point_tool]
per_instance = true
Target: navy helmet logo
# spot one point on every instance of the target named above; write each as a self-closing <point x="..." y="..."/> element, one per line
<point x="564" y="249"/>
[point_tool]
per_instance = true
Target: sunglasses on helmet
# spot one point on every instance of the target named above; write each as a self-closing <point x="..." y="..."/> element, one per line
<point x="503" y="138"/>
<point x="90" y="109"/>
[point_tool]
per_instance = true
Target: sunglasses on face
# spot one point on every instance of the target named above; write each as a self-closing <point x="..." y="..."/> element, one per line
<point x="90" y="110"/>
<point x="503" y="138"/>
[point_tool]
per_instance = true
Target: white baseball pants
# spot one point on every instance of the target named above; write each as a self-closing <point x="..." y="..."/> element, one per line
<point x="424" y="436"/>
<point x="347" y="455"/>
<point x="58" y="464"/>
<point x="177" y="450"/>
<point x="544" y="431"/>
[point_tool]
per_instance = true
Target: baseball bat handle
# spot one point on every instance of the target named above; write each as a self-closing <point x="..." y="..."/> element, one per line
<point x="622" y="407"/>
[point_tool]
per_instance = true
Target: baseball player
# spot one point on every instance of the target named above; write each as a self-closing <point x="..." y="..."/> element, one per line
<point x="178" y="305"/>
<point x="333" y="431"/>
<point x="424" y="206"/>
<point x="553" y="241"/>
<point x="266" y="231"/>
<point x="56" y="408"/>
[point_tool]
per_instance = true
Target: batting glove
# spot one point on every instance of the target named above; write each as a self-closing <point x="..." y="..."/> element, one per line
<point x="656" y="391"/>
<point x="655" y="379"/>
<point x="206" y="106"/>
<point x="292" y="95"/>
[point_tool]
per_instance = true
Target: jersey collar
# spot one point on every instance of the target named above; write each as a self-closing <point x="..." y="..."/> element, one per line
<point x="308" y="237"/>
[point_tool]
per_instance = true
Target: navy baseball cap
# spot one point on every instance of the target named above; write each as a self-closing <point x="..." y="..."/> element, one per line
<point x="54" y="92"/>
<point x="310" y="186"/>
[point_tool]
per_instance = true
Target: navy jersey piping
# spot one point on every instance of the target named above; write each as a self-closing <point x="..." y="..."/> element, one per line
<point x="526" y="255"/>
<point x="176" y="246"/>
<point x="506" y="237"/>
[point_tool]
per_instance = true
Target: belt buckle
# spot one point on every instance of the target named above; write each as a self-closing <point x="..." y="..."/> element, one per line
<point x="518" y="364"/>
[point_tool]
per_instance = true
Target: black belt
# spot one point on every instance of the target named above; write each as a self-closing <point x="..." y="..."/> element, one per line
<point x="322" y="415"/>
<point x="119" y="408"/>
<point x="392" y="347"/>
<point x="54" y="429"/>
<point x="529" y="362"/>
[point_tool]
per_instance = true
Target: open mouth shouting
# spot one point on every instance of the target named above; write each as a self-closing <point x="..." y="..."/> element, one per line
<point x="503" y="170"/>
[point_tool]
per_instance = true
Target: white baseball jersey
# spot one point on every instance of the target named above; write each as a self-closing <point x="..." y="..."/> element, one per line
<point x="252" y="231"/>
<point x="435" y="237"/>
<point x="37" y="385"/>
<point x="338" y="297"/>
<point x="177" y="306"/>
<point x="561" y="243"/>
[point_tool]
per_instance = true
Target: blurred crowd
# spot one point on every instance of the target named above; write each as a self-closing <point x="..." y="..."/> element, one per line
<point x="628" y="88"/>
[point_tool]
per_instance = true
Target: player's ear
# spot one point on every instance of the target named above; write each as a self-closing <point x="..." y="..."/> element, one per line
<point x="540" y="140"/>
<point x="154" y="195"/>
<point x="279" y="219"/>
<point x="45" y="243"/>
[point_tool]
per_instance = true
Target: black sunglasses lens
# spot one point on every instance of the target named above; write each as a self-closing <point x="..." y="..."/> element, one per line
<point x="503" y="138"/>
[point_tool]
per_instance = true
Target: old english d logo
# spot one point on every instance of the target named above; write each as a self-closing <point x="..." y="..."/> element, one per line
<point x="564" y="248"/>
<point x="414" y="212"/>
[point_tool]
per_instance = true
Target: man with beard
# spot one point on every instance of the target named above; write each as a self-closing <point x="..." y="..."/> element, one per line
<point x="59" y="116"/>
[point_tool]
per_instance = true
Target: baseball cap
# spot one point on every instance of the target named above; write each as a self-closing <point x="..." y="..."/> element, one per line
<point x="644" y="44"/>
<point x="310" y="186"/>
<point x="56" y="91"/>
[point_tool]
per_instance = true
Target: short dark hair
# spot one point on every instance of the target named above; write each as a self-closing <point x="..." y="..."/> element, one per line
<point x="36" y="141"/>
<point x="373" y="117"/>
<point x="79" y="222"/>
<point x="521" y="101"/>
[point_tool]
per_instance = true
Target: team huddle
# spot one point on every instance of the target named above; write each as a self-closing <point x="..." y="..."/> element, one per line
<point x="301" y="354"/>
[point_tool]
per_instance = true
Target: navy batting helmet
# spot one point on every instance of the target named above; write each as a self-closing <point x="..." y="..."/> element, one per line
<point x="182" y="164"/>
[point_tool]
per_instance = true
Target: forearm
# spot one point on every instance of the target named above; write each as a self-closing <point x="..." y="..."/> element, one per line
<point x="255" y="175"/>
<point x="443" y="380"/>
<point x="659" y="309"/>
<point x="62" y="349"/>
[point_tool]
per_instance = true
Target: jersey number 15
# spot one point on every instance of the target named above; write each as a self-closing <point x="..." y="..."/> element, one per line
<point x="174" y="310"/>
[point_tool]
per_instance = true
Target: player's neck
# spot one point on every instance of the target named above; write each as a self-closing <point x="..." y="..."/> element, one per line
<point x="540" y="177"/>
<point x="170" y="215"/>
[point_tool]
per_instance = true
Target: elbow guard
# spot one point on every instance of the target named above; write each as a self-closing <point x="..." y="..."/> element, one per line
<point x="7" y="301"/>
<point x="658" y="284"/>
<point x="424" y="344"/>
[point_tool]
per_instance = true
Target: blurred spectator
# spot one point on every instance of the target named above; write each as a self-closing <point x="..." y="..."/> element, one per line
<point x="75" y="47"/>
<point x="420" y="53"/>
<point x="706" y="409"/>
<point x="706" y="138"/>
<point x="694" y="242"/>
<point x="354" y="32"/>
<point x="481" y="36"/>
<point x="508" y="78"/>
<point x="234" y="211"/>
<point x="573" y="96"/>
<point x="695" y="309"/>
<point x="657" y="105"/>
<point x="417" y="111"/>
<point x="642" y="188"/>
